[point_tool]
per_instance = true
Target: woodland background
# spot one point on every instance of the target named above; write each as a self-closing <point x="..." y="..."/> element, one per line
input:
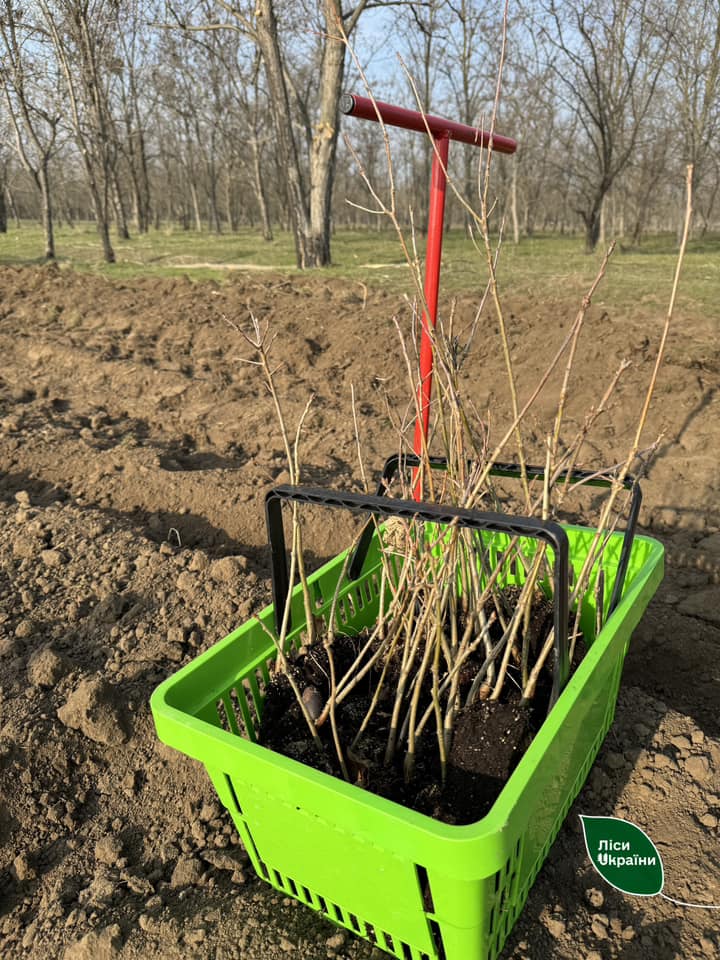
<point x="218" y="116"/>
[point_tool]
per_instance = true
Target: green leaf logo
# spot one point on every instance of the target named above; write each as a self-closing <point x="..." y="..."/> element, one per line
<point x="624" y="855"/>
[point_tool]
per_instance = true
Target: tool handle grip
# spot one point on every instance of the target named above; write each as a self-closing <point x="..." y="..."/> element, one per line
<point x="366" y="109"/>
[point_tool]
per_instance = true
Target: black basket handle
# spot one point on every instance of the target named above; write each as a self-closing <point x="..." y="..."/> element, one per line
<point x="545" y="530"/>
<point x="402" y="461"/>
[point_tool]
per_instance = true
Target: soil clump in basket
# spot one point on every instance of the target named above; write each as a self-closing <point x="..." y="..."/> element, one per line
<point x="489" y="739"/>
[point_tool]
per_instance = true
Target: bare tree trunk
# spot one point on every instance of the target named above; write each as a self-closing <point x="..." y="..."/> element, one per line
<point x="260" y="191"/>
<point x="144" y="219"/>
<point x="3" y="209"/>
<point x="513" y="203"/>
<point x="102" y="222"/>
<point x="706" y="211"/>
<point x="324" y="142"/>
<point x="269" y="44"/>
<point x="13" y="206"/>
<point x="83" y="80"/>
<point x="230" y="215"/>
<point x="620" y="231"/>
<point x="119" y="207"/>
<point x="470" y="183"/>
<point x="140" y="190"/>
<point x="47" y="217"/>
<point x="196" y="206"/>
<point x="138" y="166"/>
<point x="593" y="215"/>
<point x="214" y="217"/>
<point x="136" y="203"/>
<point x="592" y="218"/>
<point x="66" y="211"/>
<point x="101" y="205"/>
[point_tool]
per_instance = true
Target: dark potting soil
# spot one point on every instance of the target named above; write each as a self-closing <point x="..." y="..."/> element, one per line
<point x="489" y="739"/>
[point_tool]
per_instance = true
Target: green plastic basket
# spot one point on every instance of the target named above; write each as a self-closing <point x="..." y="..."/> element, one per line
<point x="415" y="887"/>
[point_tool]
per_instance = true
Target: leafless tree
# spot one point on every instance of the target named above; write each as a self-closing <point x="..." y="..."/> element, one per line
<point x="309" y="197"/>
<point x="137" y="101"/>
<point x="608" y="58"/>
<point x="30" y="92"/>
<point x="473" y="34"/>
<point x="180" y="125"/>
<point x="642" y="181"/>
<point x="232" y="65"/>
<point x="257" y="141"/>
<point x="694" y="68"/>
<point x="426" y="36"/>
<point x="84" y="35"/>
<point x="3" y="180"/>
<point x="530" y="113"/>
<point x="306" y="120"/>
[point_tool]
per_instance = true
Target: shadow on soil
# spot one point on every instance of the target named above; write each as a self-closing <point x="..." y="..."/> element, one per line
<point x="157" y="526"/>
<point x="674" y="656"/>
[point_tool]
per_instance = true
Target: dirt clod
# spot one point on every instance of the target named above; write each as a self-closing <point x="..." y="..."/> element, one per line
<point x="188" y="871"/>
<point x="52" y="558"/>
<point x="228" y="569"/>
<point x="104" y="945"/>
<point x="108" y="850"/>
<point x="46" y="667"/>
<point x="24" y="629"/>
<point x="92" y="708"/>
<point x="698" y="768"/>
<point x="224" y="861"/>
<point x="23" y="869"/>
<point x="704" y="604"/>
<point x="594" y="897"/>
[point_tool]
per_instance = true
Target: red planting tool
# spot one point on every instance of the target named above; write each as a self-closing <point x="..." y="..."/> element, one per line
<point x="442" y="132"/>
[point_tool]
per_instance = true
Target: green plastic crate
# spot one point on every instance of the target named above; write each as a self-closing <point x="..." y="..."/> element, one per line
<point x="417" y="888"/>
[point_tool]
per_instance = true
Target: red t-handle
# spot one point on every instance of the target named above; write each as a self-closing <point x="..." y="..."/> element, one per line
<point x="366" y="109"/>
<point x="442" y="132"/>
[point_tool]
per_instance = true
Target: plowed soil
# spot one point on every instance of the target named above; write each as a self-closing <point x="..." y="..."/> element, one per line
<point x="135" y="451"/>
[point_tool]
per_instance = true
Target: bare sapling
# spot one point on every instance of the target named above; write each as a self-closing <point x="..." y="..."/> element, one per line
<point x="463" y="617"/>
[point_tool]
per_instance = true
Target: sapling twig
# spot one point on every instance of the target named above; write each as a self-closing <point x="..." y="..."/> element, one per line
<point x="577" y="329"/>
<point x="511" y="633"/>
<point x="412" y="637"/>
<point x="417" y="683"/>
<point x="599" y="600"/>
<point x="333" y="716"/>
<point x="435" y="699"/>
<point x="261" y="341"/>
<point x="278" y="640"/>
<point x="593" y="552"/>
<point x="452" y="676"/>
<point x="358" y="444"/>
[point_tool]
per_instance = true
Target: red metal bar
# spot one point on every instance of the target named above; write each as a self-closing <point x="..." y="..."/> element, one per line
<point x="433" y="255"/>
<point x="366" y="109"/>
<point x="442" y="131"/>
